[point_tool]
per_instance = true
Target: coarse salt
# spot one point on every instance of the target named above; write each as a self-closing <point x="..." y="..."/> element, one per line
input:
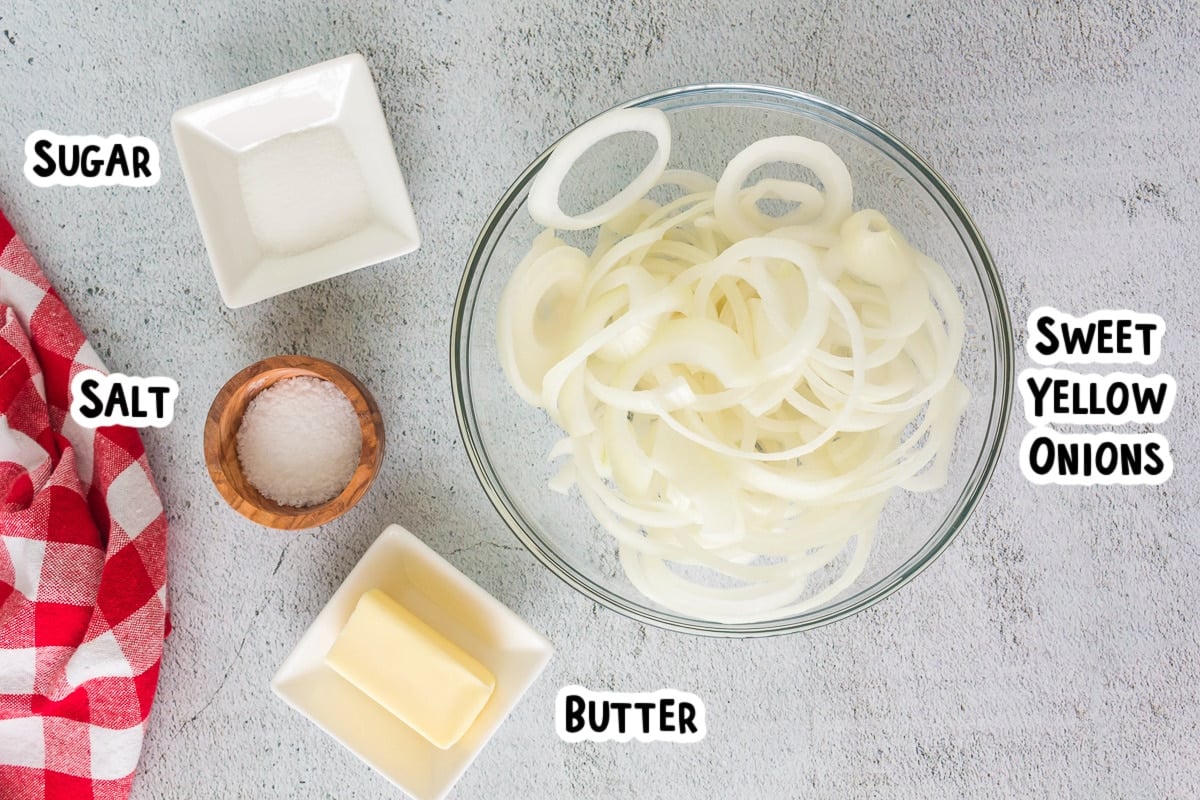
<point x="299" y="442"/>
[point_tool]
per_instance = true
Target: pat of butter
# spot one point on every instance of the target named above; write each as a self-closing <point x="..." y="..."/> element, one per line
<point x="430" y="683"/>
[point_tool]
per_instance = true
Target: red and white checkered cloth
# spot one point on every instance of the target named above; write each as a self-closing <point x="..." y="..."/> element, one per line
<point x="83" y="570"/>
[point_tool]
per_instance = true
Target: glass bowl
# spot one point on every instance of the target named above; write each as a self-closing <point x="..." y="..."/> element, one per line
<point x="508" y="441"/>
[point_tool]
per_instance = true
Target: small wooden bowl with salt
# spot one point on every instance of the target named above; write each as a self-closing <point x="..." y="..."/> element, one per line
<point x="225" y="418"/>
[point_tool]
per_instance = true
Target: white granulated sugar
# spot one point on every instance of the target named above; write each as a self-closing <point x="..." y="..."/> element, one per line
<point x="299" y="442"/>
<point x="303" y="190"/>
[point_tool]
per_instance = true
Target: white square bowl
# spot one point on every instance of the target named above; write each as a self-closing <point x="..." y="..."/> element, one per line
<point x="422" y="581"/>
<point x="294" y="180"/>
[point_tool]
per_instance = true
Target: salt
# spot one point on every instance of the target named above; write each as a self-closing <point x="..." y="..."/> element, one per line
<point x="299" y="442"/>
<point x="302" y="191"/>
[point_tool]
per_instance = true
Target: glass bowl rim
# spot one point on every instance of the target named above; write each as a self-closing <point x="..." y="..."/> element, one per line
<point x="1002" y="351"/>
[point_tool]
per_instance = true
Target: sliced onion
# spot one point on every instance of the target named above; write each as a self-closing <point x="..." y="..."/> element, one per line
<point x="741" y="393"/>
<point x="739" y="222"/>
<point x="543" y="194"/>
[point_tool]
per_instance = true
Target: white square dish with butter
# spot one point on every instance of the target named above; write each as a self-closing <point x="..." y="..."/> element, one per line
<point x="411" y="665"/>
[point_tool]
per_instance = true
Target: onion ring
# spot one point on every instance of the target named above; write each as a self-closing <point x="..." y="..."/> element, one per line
<point x="543" y="194"/>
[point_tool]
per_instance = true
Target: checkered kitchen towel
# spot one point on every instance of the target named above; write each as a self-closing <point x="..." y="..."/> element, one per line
<point x="83" y="545"/>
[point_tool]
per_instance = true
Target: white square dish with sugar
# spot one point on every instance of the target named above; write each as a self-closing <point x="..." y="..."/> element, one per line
<point x="294" y="180"/>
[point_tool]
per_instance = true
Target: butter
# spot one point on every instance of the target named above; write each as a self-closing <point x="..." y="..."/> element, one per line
<point x="430" y="683"/>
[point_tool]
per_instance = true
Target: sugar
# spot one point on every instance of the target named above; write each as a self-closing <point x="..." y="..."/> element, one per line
<point x="303" y="190"/>
<point x="299" y="442"/>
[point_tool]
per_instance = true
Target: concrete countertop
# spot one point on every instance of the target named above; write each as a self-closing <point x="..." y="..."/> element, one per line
<point x="1052" y="651"/>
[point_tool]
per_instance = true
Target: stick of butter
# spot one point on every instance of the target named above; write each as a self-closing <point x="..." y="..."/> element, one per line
<point x="430" y="683"/>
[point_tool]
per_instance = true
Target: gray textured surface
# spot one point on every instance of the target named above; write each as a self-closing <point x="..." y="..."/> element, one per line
<point x="1051" y="652"/>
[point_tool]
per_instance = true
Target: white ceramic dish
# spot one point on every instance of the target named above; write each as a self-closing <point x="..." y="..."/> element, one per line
<point x="420" y="579"/>
<point x="294" y="180"/>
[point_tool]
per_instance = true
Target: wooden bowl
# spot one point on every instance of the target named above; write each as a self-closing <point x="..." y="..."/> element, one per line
<point x="225" y="418"/>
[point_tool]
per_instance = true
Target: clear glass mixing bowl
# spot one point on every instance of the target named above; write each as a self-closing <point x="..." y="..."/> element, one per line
<point x="508" y="441"/>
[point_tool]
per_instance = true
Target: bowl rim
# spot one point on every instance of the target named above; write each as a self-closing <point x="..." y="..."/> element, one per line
<point x="1003" y="350"/>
